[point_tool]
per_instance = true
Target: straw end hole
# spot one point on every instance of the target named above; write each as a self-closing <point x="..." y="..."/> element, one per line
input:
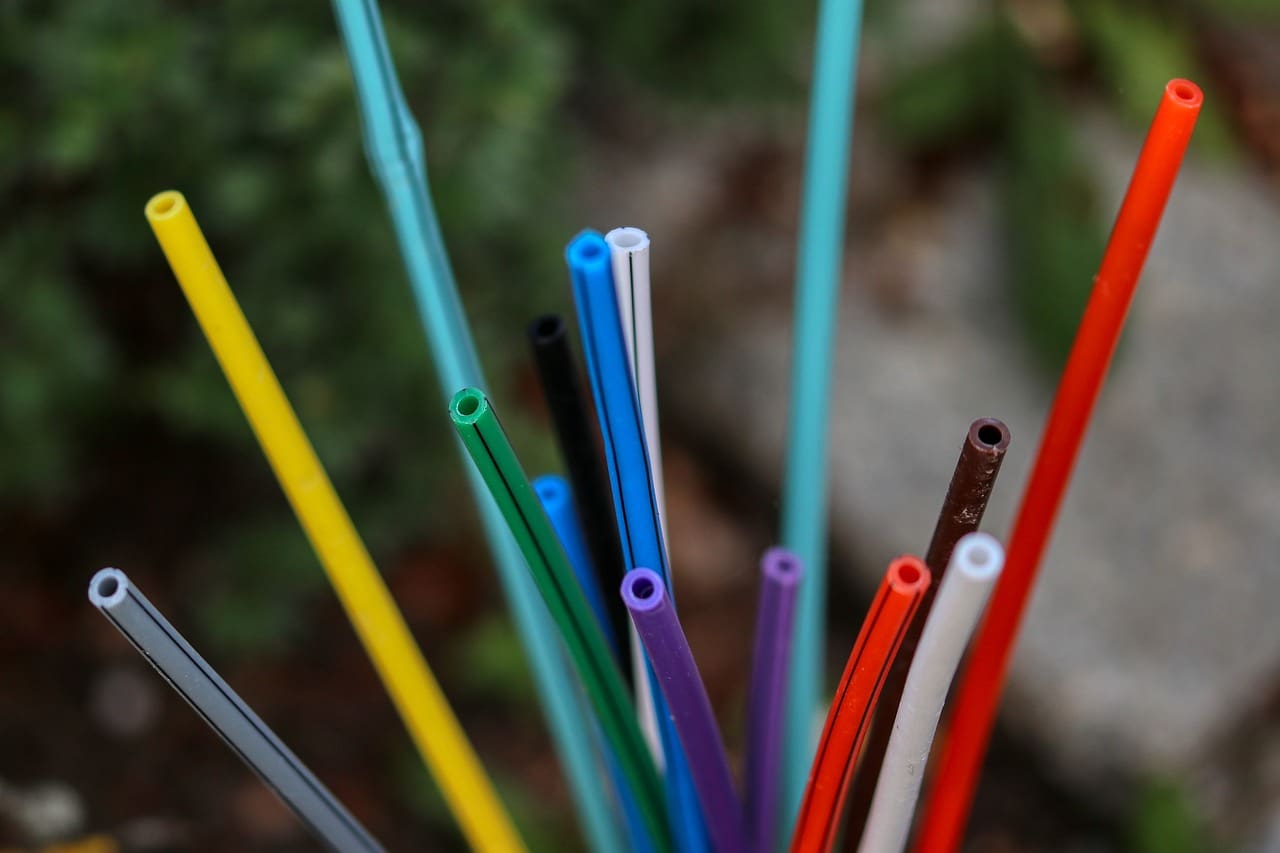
<point x="165" y="205"/>
<point x="1185" y="92"/>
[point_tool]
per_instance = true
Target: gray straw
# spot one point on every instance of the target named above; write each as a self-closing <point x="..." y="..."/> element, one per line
<point x="225" y="712"/>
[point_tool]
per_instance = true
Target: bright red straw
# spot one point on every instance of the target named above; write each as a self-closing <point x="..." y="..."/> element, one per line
<point x="873" y="652"/>
<point x="978" y="696"/>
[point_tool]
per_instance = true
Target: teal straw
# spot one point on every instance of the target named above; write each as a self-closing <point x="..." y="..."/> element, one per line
<point x="804" y="493"/>
<point x="393" y="145"/>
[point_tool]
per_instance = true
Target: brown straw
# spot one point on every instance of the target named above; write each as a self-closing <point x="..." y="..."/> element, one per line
<point x="962" y="509"/>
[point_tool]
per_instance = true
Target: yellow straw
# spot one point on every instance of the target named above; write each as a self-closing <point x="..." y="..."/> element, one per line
<point x="382" y="630"/>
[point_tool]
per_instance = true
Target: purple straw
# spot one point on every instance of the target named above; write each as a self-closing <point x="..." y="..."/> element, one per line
<point x="780" y="572"/>
<point x="655" y="619"/>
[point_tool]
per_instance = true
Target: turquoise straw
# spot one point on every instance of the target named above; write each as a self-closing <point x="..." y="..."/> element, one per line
<point x="804" y="493"/>
<point x="393" y="145"/>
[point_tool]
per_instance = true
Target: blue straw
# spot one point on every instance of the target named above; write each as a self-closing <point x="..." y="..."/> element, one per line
<point x="804" y="493"/>
<point x="622" y="432"/>
<point x="393" y="145"/>
<point x="557" y="500"/>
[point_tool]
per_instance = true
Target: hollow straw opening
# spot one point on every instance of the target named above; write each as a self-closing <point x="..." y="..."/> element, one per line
<point x="108" y="587"/>
<point x="990" y="434"/>
<point x="548" y="328"/>
<point x="642" y="589"/>
<point x="165" y="205"/>
<point x="588" y="249"/>
<point x="782" y="566"/>
<point x="550" y="489"/>
<point x="1185" y="92"/>
<point x="908" y="574"/>
<point x="627" y="238"/>
<point x="978" y="556"/>
<point x="467" y="405"/>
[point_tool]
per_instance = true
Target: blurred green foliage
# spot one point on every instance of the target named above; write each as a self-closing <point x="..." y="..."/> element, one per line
<point x="1165" y="822"/>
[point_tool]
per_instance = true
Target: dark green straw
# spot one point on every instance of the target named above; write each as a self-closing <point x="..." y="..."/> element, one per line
<point x="482" y="435"/>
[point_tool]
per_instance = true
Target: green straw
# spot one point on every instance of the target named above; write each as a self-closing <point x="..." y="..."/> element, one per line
<point x="393" y="145"/>
<point x="804" y="491"/>
<point x="483" y="437"/>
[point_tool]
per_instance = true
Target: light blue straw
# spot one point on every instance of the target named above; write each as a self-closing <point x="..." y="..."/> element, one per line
<point x="557" y="499"/>
<point x="393" y="145"/>
<point x="804" y="493"/>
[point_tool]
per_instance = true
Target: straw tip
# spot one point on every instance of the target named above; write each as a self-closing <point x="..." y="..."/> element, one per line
<point x="552" y="489"/>
<point x="1184" y="93"/>
<point x="990" y="435"/>
<point x="628" y="239"/>
<point x="782" y="565"/>
<point x="643" y="590"/>
<point x="108" y="587"/>
<point x="587" y="249"/>
<point x="908" y="574"/>
<point x="165" y="205"/>
<point x="547" y="329"/>
<point x="978" y="556"/>
<point x="468" y="405"/>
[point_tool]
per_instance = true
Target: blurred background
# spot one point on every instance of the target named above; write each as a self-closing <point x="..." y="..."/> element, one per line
<point x="993" y="141"/>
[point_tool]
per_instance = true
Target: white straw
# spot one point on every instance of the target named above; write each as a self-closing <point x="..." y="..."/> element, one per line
<point x="629" y="253"/>
<point x="962" y="595"/>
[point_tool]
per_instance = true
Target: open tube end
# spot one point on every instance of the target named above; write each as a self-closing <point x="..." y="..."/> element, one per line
<point x="978" y="556"/>
<point x="553" y="491"/>
<point x="643" y="590"/>
<point x="468" y="405"/>
<point x="908" y="574"/>
<point x="782" y="566"/>
<point x="1184" y="93"/>
<point x="108" y="587"/>
<point x="547" y="329"/>
<point x="628" y="239"/>
<point x="587" y="250"/>
<point x="165" y="205"/>
<point x="990" y="435"/>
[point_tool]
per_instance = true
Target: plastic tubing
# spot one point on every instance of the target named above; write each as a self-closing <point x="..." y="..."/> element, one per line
<point x="629" y="257"/>
<point x="365" y="598"/>
<point x="974" y="566"/>
<point x="557" y="502"/>
<point x="895" y="603"/>
<point x="978" y="693"/>
<point x="686" y="697"/>
<point x="483" y="437"/>
<point x="804" y="491"/>
<point x="780" y="576"/>
<point x="981" y="454"/>
<point x="631" y="477"/>
<point x="393" y="147"/>
<point x="225" y="712"/>
<point x="576" y="436"/>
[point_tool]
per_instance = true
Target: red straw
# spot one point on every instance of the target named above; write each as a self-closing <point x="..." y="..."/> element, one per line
<point x="850" y="716"/>
<point x="979" y="695"/>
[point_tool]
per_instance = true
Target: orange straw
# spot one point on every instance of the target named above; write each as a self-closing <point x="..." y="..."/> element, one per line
<point x="978" y="697"/>
<point x="869" y="663"/>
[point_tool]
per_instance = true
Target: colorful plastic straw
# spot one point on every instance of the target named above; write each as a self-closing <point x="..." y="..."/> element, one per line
<point x="226" y="713"/>
<point x="974" y="566"/>
<point x="365" y="598"/>
<point x="978" y="695"/>
<point x="780" y="575"/>
<point x="804" y="493"/>
<point x="895" y="603"/>
<point x="482" y="435"/>
<point x="557" y="502"/>
<point x="965" y="503"/>
<point x="393" y="145"/>
<point x="630" y="475"/>
<point x="576" y="437"/>
<point x="655" y="619"/>
<point x="629" y="257"/>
